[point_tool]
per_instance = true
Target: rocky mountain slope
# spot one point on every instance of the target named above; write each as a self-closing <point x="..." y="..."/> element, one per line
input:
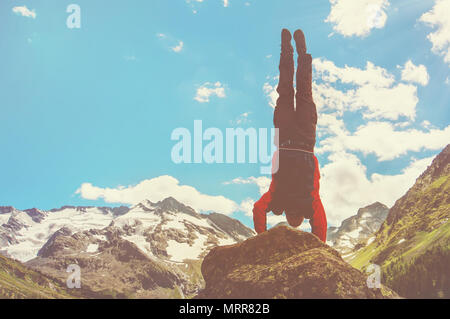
<point x="357" y="230"/>
<point x="413" y="244"/>
<point x="149" y="251"/>
<point x="283" y="263"/>
<point x="20" y="282"/>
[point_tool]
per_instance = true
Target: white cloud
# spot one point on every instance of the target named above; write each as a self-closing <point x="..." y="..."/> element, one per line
<point x="241" y="119"/>
<point x="193" y="4"/>
<point x="170" y="42"/>
<point x="374" y="91"/>
<point x="157" y="189"/>
<point x="207" y="90"/>
<point x="345" y="186"/>
<point x="415" y="73"/>
<point x="377" y="93"/>
<point x="379" y="138"/>
<point x="179" y="47"/>
<point x="270" y="91"/>
<point x="439" y="19"/>
<point x="389" y="103"/>
<point x="371" y="75"/>
<point x="357" y="18"/>
<point x="262" y="182"/>
<point x="247" y="207"/>
<point x="25" y="12"/>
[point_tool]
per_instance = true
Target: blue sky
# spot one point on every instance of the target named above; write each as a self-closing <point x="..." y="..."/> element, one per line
<point x="96" y="106"/>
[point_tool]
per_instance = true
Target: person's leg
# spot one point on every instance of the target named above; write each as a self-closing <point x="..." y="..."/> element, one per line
<point x="306" y="113"/>
<point x="285" y="87"/>
<point x="304" y="67"/>
<point x="319" y="221"/>
<point x="284" y="111"/>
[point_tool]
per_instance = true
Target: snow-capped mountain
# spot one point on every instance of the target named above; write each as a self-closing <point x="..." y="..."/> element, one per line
<point x="173" y="231"/>
<point x="358" y="229"/>
<point x="23" y="233"/>
<point x="149" y="250"/>
<point x="167" y="229"/>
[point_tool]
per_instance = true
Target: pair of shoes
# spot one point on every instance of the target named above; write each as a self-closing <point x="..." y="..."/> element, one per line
<point x="299" y="38"/>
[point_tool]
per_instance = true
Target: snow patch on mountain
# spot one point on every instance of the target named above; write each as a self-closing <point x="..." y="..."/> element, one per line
<point x="358" y="229"/>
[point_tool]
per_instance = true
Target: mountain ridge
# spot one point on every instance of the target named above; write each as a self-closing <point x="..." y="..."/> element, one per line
<point x="152" y="250"/>
<point x="413" y="244"/>
<point x="358" y="229"/>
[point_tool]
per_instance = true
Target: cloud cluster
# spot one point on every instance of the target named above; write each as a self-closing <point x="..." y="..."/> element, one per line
<point x="271" y="93"/>
<point x="262" y="182"/>
<point x="205" y="91"/>
<point x="377" y="93"/>
<point x="388" y="110"/>
<point x="241" y="119"/>
<point x="439" y="19"/>
<point x="171" y="43"/>
<point x="357" y="18"/>
<point x="373" y="90"/>
<point x="179" y="47"/>
<point x="382" y="139"/>
<point x="157" y="189"/>
<point x="345" y="186"/>
<point x="24" y="12"/>
<point x="415" y="73"/>
<point x="193" y="4"/>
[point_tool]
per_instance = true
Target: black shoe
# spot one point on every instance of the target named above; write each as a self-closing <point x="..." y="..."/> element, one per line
<point x="286" y="39"/>
<point x="300" y="42"/>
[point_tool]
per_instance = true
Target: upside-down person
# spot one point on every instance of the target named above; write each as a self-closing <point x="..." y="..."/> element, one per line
<point x="294" y="189"/>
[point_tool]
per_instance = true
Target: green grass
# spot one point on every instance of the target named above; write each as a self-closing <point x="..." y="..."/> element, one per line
<point x="363" y="257"/>
<point x="20" y="282"/>
<point x="421" y="242"/>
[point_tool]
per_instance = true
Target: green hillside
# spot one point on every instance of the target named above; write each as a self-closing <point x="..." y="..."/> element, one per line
<point x="413" y="245"/>
<point x="20" y="282"/>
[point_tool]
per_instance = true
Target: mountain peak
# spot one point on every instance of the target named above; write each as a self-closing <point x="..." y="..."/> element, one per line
<point x="374" y="209"/>
<point x="358" y="228"/>
<point x="6" y="209"/>
<point x="439" y="167"/>
<point x="171" y="204"/>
